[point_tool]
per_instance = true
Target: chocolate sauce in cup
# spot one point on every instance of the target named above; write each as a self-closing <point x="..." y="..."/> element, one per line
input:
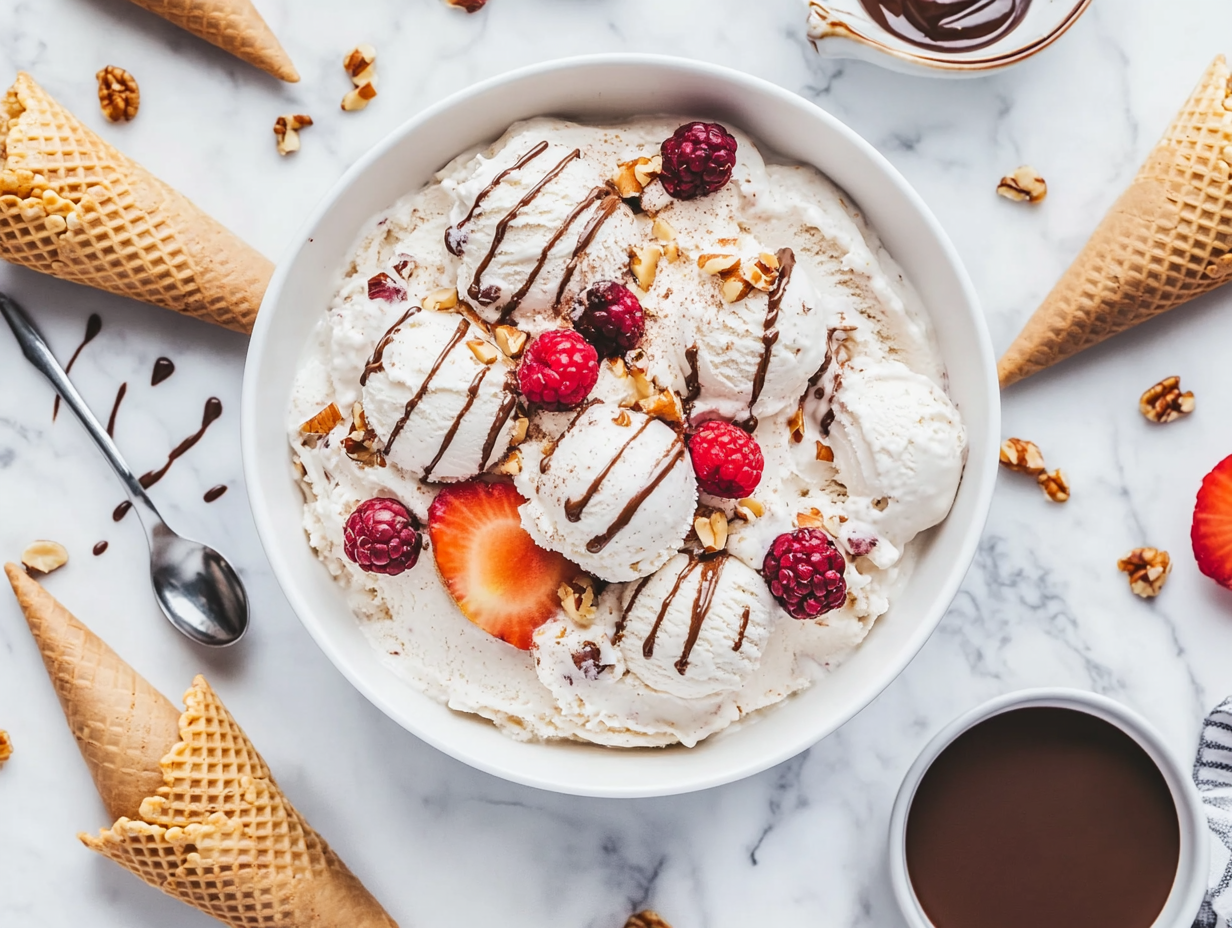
<point x="948" y="25"/>
<point x="1048" y="808"/>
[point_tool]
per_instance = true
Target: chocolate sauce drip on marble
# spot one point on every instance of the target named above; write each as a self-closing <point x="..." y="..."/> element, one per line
<point x="483" y="295"/>
<point x="769" y="330"/>
<point x="121" y="511"/>
<point x="575" y="507"/>
<point x="376" y="363"/>
<point x="712" y="569"/>
<point x="471" y="392"/>
<point x="744" y="627"/>
<point x="163" y="368"/>
<point x="948" y="25"/>
<point x="454" y="341"/>
<point x="214" y="492"/>
<point x="213" y="409"/>
<point x="590" y="230"/>
<point x="115" y="408"/>
<point x="99" y="548"/>
<point x="671" y="457"/>
<point x="94" y="325"/>
<point x="454" y="239"/>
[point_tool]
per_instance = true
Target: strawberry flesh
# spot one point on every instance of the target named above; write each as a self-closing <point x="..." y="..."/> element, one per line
<point x="500" y="579"/>
<point x="1211" y="533"/>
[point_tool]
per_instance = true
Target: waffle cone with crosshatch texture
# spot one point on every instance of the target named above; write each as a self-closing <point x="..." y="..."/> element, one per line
<point x="72" y="206"/>
<point x="234" y="26"/>
<point x="200" y="818"/>
<point x="1166" y="240"/>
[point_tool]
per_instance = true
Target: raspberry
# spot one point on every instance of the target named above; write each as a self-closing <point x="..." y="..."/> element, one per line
<point x="612" y="319"/>
<point x="805" y="573"/>
<point x="382" y="537"/>
<point x="558" y="370"/>
<point x="726" y="459"/>
<point x="697" y="160"/>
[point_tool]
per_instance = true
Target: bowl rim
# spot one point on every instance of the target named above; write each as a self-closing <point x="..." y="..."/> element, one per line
<point x="1189" y="886"/>
<point x="981" y="463"/>
<point x="837" y="28"/>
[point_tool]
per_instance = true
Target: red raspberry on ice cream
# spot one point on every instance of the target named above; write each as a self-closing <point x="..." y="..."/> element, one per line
<point x="726" y="459"/>
<point x="559" y="370"/>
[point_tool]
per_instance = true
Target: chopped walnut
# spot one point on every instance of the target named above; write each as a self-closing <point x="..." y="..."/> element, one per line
<point x="735" y="288"/>
<point x="358" y="98"/>
<point x="578" y="600"/>
<point x="361" y="443"/>
<point x="441" y="300"/>
<point x="763" y="273"/>
<point x="511" y="466"/>
<point x="471" y="6"/>
<point x="718" y="265"/>
<point x="323" y="422"/>
<point x="520" y="427"/>
<point x="360" y="65"/>
<point x="1165" y="402"/>
<point x="824" y="452"/>
<point x="623" y="419"/>
<point x="1023" y="457"/>
<point x="42" y="557"/>
<point x="1148" y="570"/>
<point x="643" y="263"/>
<point x="749" y="509"/>
<point x="118" y="94"/>
<point x="484" y="351"/>
<point x="664" y="405"/>
<point x="632" y="177"/>
<point x="810" y="518"/>
<point x="1055" y="485"/>
<point x="286" y="130"/>
<point x="1024" y="184"/>
<point x="646" y="919"/>
<point x="358" y="60"/>
<point x="509" y="339"/>
<point x="795" y="425"/>
<point x="6" y="746"/>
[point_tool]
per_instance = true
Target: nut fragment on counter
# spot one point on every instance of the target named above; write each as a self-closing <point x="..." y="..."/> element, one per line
<point x="1023" y="457"/>
<point x="1025" y="184"/>
<point x="1148" y="570"/>
<point x="42" y="557"/>
<point x="471" y="6"/>
<point x="6" y="746"/>
<point x="646" y="919"/>
<point x="286" y="130"/>
<point x="578" y="600"/>
<point x="360" y="65"/>
<point x="118" y="94"/>
<point x="643" y="263"/>
<point x="323" y="422"/>
<point x="1165" y="402"/>
<point x="1055" y="485"/>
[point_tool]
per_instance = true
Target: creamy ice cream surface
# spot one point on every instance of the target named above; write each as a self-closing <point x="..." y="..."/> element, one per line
<point x="639" y="612"/>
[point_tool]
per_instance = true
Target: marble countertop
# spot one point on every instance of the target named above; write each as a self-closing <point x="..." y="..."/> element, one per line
<point x="443" y="845"/>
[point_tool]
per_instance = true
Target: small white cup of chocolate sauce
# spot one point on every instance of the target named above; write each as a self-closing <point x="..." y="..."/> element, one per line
<point x="1048" y="807"/>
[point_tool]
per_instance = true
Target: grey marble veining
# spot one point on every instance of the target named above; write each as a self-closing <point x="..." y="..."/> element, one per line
<point x="440" y="844"/>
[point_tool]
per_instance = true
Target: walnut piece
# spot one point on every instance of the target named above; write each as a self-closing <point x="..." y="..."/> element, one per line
<point x="810" y="518"/>
<point x="511" y="466"/>
<point x="749" y="509"/>
<point x="6" y="746"/>
<point x="632" y="177"/>
<point x="42" y="557"/>
<point x="735" y="288"/>
<point x="520" y="427"/>
<point x="509" y="339"/>
<point x="484" y="351"/>
<point x="1025" y="184"/>
<point x="795" y="425"/>
<point x="718" y="265"/>
<point x="1165" y="402"/>
<point x="646" y="919"/>
<point x="578" y="600"/>
<point x="442" y="300"/>
<point x="360" y="65"/>
<point x="361" y="443"/>
<point x="664" y="405"/>
<point x="711" y="531"/>
<point x="471" y="6"/>
<point x="1055" y="485"/>
<point x="323" y="422"/>
<point x="286" y="130"/>
<point x="824" y="452"/>
<point x="1148" y="570"/>
<point x="118" y="94"/>
<point x="643" y="263"/>
<point x="1023" y="457"/>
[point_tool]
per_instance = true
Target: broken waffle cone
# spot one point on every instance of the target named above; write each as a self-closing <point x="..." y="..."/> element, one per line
<point x="74" y="207"/>
<point x="210" y="826"/>
<point x="235" y="26"/>
<point x="1166" y="240"/>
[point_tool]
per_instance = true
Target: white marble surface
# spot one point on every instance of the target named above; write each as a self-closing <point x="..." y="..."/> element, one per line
<point x="443" y="845"/>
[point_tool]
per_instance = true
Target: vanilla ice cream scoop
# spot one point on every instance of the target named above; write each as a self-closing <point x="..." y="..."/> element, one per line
<point x="697" y="626"/>
<point x="441" y="412"/>
<point x="754" y="357"/>
<point x="616" y="496"/>
<point x="533" y="226"/>
<point x="897" y="439"/>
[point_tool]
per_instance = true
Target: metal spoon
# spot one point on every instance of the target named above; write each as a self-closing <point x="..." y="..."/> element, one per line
<point x="196" y="588"/>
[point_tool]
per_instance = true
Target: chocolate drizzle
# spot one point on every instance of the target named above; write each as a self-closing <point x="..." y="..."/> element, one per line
<point x="575" y="507"/>
<point x="455" y="241"/>
<point x="692" y="383"/>
<point x="708" y="582"/>
<point x="671" y="457"/>
<point x="545" y="463"/>
<point x="649" y="643"/>
<point x="376" y="363"/>
<point x="454" y="341"/>
<point x="471" y="392"/>
<point x="115" y="408"/>
<point x="744" y="626"/>
<point x="94" y="325"/>
<point x="213" y="409"/>
<point x="502" y="416"/>
<point x="163" y="368"/>
<point x="606" y="208"/>
<point x="483" y="295"/>
<point x="619" y="631"/>
<point x="769" y="331"/>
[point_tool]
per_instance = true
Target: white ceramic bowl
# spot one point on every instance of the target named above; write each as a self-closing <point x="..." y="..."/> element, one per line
<point x="1189" y="887"/>
<point x="609" y="87"/>
<point x="842" y="29"/>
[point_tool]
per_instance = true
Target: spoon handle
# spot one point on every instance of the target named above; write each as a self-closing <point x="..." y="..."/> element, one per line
<point x="37" y="353"/>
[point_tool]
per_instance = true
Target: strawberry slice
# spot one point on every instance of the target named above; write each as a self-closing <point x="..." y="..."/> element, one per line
<point x="1212" y="524"/>
<point x="501" y="580"/>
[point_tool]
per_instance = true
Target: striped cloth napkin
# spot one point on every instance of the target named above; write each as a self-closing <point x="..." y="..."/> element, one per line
<point x="1212" y="775"/>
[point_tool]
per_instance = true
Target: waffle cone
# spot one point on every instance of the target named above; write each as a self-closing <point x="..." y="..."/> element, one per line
<point x="202" y="819"/>
<point x="122" y="724"/>
<point x="1166" y="240"/>
<point x="74" y="207"/>
<point x="234" y="26"/>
